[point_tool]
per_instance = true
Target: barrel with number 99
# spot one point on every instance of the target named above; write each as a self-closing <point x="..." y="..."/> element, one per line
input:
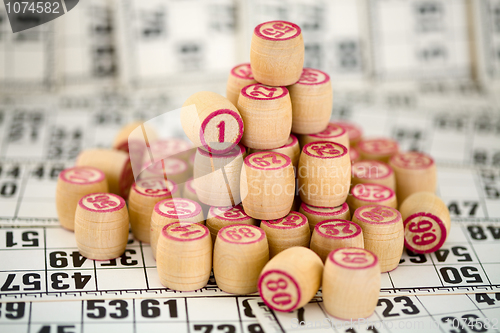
<point x="426" y="221"/>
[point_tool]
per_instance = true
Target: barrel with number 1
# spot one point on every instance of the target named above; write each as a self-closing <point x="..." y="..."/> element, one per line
<point x="240" y="253"/>
<point x="72" y="185"/>
<point x="101" y="226"/>
<point x="173" y="210"/>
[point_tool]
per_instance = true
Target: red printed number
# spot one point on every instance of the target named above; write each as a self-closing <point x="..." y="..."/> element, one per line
<point x="355" y="257"/>
<point x="177" y="208"/>
<point x="222" y="129"/>
<point x="238" y="234"/>
<point x="81" y="175"/>
<point x="102" y="201"/>
<point x="257" y="93"/>
<point x="327" y="148"/>
<point x="281" y="298"/>
<point x="422" y="227"/>
<point x="331" y="229"/>
<point x="280" y="29"/>
<point x="185" y="229"/>
<point x="260" y="161"/>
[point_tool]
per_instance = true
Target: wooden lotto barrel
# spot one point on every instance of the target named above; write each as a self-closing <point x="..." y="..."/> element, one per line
<point x="379" y="149"/>
<point x="114" y="163"/>
<point x="291" y="279"/>
<point x="267" y="185"/>
<point x="332" y="133"/>
<point x="415" y="172"/>
<point x="120" y="142"/>
<point x="239" y="77"/>
<point x="383" y="233"/>
<point x="286" y="232"/>
<point x="211" y="121"/>
<point x="316" y="215"/>
<point x="351" y="283"/>
<point x="184" y="256"/>
<point x="277" y="53"/>
<point x="168" y="148"/>
<point x="354" y="132"/>
<point x="312" y="100"/>
<point x="330" y="235"/>
<point x="290" y="149"/>
<point x="219" y="217"/>
<point x="171" y="168"/>
<point x="240" y="253"/>
<point x="373" y="172"/>
<point x="267" y="114"/>
<point x="173" y="210"/>
<point x="426" y="220"/>
<point x="72" y="185"/>
<point x="324" y="174"/>
<point x="371" y="194"/>
<point x="217" y="177"/>
<point x="144" y="195"/>
<point x="101" y="226"/>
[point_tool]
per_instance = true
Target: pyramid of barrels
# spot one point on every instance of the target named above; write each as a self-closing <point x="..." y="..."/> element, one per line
<point x="276" y="198"/>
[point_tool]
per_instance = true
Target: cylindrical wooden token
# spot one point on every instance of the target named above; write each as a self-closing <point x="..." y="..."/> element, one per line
<point x="277" y="53"/>
<point x="168" y="148"/>
<point x="354" y="155"/>
<point x="239" y="77"/>
<point x="286" y="232"/>
<point x="217" y="177"/>
<point x="334" y="234"/>
<point x="290" y="149"/>
<point x="267" y="114"/>
<point x="116" y="166"/>
<point x="267" y="185"/>
<point x="101" y="226"/>
<point x="316" y="215"/>
<point x="351" y="283"/>
<point x="371" y="194"/>
<point x="172" y="168"/>
<point x="312" y="100"/>
<point x="72" y="185"/>
<point x="379" y="149"/>
<point x="173" y="210"/>
<point x="291" y="279"/>
<point x="324" y="174"/>
<point x="415" y="172"/>
<point x="184" y="256"/>
<point x="144" y="195"/>
<point x="220" y="217"/>
<point x="373" y="172"/>
<point x="426" y="220"/>
<point x="332" y="133"/>
<point x="354" y="132"/>
<point x="383" y="233"/>
<point x="212" y="121"/>
<point x="121" y="139"/>
<point x="189" y="192"/>
<point x="240" y="253"/>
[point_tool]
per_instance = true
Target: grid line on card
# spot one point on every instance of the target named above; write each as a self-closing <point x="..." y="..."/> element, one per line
<point x="45" y="256"/>
<point x="239" y="313"/>
<point x="478" y="181"/>
<point x="24" y="182"/>
<point x="144" y="266"/>
<point x="29" y="318"/>
<point x="187" y="314"/>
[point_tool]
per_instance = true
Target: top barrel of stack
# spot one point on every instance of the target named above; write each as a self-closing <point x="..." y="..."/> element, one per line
<point x="277" y="53"/>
